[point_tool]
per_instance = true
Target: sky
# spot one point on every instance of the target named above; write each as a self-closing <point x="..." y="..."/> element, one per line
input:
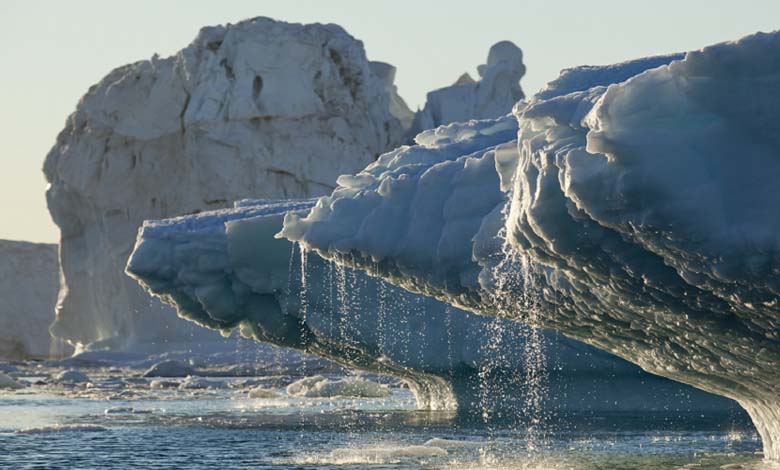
<point x="52" y="52"/>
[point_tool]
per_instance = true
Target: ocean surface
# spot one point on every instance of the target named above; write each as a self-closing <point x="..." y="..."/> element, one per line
<point x="121" y="421"/>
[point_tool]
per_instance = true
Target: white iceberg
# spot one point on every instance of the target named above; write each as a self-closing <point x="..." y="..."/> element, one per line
<point x="260" y="108"/>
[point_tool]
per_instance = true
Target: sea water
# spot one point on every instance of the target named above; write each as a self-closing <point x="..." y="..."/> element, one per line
<point x="119" y="421"/>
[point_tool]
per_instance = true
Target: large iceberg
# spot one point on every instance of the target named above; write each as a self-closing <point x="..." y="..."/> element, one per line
<point x="260" y="108"/>
<point x="635" y="212"/>
<point x="28" y="293"/>
<point x="225" y="270"/>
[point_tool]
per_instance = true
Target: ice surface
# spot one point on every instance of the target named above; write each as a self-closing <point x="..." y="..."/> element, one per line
<point x="638" y="217"/>
<point x="28" y="293"/>
<point x="226" y="270"/>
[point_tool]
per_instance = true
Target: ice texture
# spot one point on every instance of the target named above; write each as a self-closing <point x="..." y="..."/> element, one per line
<point x="226" y="270"/>
<point x="260" y="108"/>
<point x="28" y="293"/>
<point x="638" y="212"/>
<point x="493" y="95"/>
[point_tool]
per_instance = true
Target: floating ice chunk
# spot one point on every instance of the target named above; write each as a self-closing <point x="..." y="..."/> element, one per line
<point x="118" y="410"/>
<point x="162" y="384"/>
<point x="9" y="383"/>
<point x="71" y="376"/>
<point x="170" y="368"/>
<point x="264" y="393"/>
<point x="199" y="383"/>
<point x="319" y="386"/>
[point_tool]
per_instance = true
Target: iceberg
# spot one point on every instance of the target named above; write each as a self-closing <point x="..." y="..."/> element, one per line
<point x="635" y="212"/>
<point x="257" y="109"/>
<point x="226" y="270"/>
<point x="492" y="96"/>
<point x="261" y="108"/>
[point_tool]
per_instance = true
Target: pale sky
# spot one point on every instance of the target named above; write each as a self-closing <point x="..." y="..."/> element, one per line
<point x="51" y="52"/>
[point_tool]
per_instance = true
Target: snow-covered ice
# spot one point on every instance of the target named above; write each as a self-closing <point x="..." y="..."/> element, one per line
<point x="636" y="216"/>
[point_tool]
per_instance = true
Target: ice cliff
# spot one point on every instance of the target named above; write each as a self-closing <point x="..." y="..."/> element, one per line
<point x="635" y="212"/>
<point x="257" y="109"/>
<point x="28" y="293"/>
<point x="225" y="270"/>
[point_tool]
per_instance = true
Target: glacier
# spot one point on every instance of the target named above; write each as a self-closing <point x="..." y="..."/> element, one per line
<point x="28" y="288"/>
<point x="227" y="271"/>
<point x="632" y="210"/>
